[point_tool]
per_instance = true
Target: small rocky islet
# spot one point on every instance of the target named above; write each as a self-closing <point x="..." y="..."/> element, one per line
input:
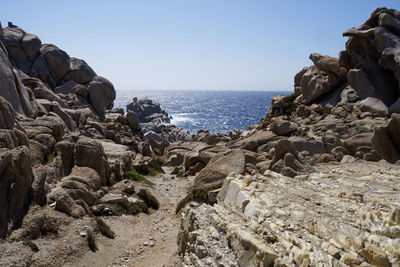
<point x="315" y="183"/>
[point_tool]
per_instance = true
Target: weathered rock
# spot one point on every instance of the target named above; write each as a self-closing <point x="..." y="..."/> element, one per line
<point x="124" y="186"/>
<point x="57" y="59"/>
<point x="386" y="140"/>
<point x="316" y="83"/>
<point x="133" y="121"/>
<point x="7" y="114"/>
<point x="68" y="88"/>
<point x="275" y="208"/>
<point x="46" y="124"/>
<point x="31" y="45"/>
<point x="15" y="182"/>
<point x="80" y="71"/>
<point x="11" y="87"/>
<point x="282" y="127"/>
<point x="360" y="140"/>
<point x="349" y="95"/>
<point x="149" y="199"/>
<point x="90" y="153"/>
<point x="101" y="94"/>
<point x="41" y="90"/>
<point x="375" y="106"/>
<point x="147" y="110"/>
<point x="294" y="145"/>
<point x="213" y="175"/>
<point x="328" y="64"/>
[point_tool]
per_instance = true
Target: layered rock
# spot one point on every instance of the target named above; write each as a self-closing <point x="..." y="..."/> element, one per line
<point x="324" y="218"/>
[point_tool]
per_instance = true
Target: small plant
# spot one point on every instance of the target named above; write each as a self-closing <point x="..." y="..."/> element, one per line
<point x="184" y="202"/>
<point x="32" y="245"/>
<point x="362" y="129"/>
<point x="179" y="174"/>
<point x="91" y="241"/>
<point x="152" y="171"/>
<point x="48" y="228"/>
<point x="50" y="157"/>
<point x="104" y="228"/>
<point x="134" y="175"/>
<point x="69" y="139"/>
<point x="124" y="206"/>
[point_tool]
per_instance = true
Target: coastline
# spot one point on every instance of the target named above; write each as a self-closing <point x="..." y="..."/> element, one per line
<point x="314" y="182"/>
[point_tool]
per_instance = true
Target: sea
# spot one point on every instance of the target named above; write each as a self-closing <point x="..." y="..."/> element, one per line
<point x="216" y="111"/>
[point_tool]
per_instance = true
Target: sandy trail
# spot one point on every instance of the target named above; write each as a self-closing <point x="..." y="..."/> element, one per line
<point x="143" y="240"/>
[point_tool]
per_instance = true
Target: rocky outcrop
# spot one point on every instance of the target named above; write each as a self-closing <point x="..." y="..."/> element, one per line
<point x="11" y="87"/>
<point x="273" y="220"/>
<point x="15" y="170"/>
<point x="147" y="110"/>
<point x="53" y="67"/>
<point x="369" y="65"/>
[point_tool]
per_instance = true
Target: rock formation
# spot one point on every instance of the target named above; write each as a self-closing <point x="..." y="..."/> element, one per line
<point x="314" y="183"/>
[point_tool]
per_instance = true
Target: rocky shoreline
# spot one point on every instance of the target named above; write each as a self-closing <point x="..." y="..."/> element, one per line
<point x="314" y="183"/>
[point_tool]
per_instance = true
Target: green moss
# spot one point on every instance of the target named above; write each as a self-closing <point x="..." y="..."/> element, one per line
<point x="104" y="228"/>
<point x="134" y="175"/>
<point x="124" y="206"/>
<point x="199" y="195"/>
<point x="362" y="129"/>
<point x="50" y="157"/>
<point x="289" y="105"/>
<point x="69" y="139"/>
<point x="184" y="202"/>
<point x="153" y="172"/>
<point x="32" y="245"/>
<point x="91" y="241"/>
<point x="48" y="228"/>
<point x="179" y="174"/>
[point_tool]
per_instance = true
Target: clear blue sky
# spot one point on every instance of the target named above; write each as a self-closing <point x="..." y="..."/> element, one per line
<point x="188" y="44"/>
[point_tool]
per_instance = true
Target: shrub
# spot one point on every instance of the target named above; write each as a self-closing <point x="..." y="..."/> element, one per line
<point x="124" y="206"/>
<point x="91" y="241"/>
<point x="104" y="228"/>
<point x="32" y="245"/>
<point x="134" y="175"/>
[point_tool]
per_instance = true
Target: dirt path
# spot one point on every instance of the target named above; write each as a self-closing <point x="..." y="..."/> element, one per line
<point x="143" y="240"/>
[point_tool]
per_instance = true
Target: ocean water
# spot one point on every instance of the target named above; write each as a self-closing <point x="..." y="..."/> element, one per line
<point x="217" y="111"/>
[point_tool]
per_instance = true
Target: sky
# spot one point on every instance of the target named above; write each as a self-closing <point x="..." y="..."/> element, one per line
<point x="193" y="44"/>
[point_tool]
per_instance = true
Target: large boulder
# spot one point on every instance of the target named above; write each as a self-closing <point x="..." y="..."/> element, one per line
<point x="12" y="39"/>
<point x="374" y="48"/>
<point x="101" y="94"/>
<point x="147" y="110"/>
<point x="90" y="153"/>
<point x="214" y="174"/>
<point x="352" y="144"/>
<point x="15" y="182"/>
<point x="316" y="83"/>
<point x="57" y="59"/>
<point x="375" y="106"/>
<point x="7" y="114"/>
<point x="328" y="64"/>
<point x="386" y="140"/>
<point x="80" y="71"/>
<point x="41" y="69"/>
<point x="282" y="127"/>
<point x="31" y="45"/>
<point x="11" y="87"/>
